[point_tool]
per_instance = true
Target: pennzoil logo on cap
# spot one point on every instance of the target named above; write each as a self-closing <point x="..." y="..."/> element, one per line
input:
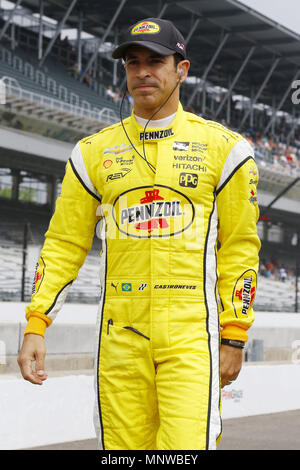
<point x="146" y="27"/>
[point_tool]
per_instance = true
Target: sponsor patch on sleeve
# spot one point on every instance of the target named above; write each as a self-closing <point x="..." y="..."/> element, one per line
<point x="38" y="275"/>
<point x="244" y="293"/>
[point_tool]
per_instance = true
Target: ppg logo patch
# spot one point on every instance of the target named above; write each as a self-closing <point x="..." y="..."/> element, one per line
<point x="188" y="180"/>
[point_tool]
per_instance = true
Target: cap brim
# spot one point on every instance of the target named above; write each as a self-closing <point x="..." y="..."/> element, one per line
<point x="119" y="52"/>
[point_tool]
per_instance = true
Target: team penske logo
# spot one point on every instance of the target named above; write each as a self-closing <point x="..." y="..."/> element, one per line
<point x="149" y="211"/>
<point x="38" y="275"/>
<point x="146" y="27"/>
<point x="244" y="293"/>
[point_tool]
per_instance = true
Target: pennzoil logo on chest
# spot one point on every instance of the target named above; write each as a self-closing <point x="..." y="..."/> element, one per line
<point x="152" y="212"/>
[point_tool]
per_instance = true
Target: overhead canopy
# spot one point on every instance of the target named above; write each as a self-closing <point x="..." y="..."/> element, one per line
<point x="206" y="22"/>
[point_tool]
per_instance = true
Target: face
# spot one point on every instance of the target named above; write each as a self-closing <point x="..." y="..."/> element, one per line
<point x="150" y="79"/>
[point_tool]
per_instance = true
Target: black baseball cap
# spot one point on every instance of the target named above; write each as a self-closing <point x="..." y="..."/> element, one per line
<point x="158" y="35"/>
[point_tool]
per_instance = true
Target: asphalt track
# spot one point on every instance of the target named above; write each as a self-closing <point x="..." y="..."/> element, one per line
<point x="278" y="431"/>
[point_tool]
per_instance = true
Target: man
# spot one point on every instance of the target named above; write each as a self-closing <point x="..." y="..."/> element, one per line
<point x="169" y="188"/>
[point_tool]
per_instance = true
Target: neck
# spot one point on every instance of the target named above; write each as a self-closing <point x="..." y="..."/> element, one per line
<point x="157" y="123"/>
<point x="170" y="107"/>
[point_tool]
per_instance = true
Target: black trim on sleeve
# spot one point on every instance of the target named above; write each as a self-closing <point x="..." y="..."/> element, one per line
<point x="81" y="181"/>
<point x="57" y="295"/>
<point x="233" y="172"/>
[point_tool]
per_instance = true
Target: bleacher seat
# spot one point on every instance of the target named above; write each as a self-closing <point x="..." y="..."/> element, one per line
<point x="275" y="295"/>
<point x="54" y="81"/>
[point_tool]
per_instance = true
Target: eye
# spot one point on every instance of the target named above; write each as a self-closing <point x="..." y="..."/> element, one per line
<point x="131" y="62"/>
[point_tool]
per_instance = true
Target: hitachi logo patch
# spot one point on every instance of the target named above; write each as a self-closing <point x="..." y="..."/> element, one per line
<point x="156" y="135"/>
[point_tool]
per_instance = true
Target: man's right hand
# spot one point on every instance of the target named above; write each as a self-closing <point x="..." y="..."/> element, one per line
<point x="33" y="349"/>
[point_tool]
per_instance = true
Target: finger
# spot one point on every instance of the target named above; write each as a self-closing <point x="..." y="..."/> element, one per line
<point x="42" y="374"/>
<point x="40" y="367"/>
<point x="29" y="374"/>
<point x="227" y="381"/>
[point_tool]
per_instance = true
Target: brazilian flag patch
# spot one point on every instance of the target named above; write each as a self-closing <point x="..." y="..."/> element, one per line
<point x="126" y="287"/>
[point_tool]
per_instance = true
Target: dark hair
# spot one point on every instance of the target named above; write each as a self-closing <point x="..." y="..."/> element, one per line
<point x="177" y="58"/>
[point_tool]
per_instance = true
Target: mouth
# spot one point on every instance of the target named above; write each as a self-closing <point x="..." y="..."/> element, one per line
<point x="144" y="86"/>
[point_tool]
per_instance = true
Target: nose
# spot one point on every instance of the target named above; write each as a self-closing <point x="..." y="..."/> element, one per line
<point x="143" y="71"/>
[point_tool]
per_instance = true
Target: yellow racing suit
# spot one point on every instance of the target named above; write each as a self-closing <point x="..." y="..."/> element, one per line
<point x="178" y="271"/>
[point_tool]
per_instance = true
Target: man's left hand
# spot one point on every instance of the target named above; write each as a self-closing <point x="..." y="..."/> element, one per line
<point x="230" y="363"/>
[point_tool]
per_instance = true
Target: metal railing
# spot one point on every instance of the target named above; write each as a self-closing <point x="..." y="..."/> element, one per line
<point x="19" y="254"/>
<point x="50" y="84"/>
<point x="62" y="112"/>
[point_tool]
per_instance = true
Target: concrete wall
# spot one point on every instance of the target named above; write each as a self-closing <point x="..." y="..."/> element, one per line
<point x="70" y="340"/>
<point x="62" y="409"/>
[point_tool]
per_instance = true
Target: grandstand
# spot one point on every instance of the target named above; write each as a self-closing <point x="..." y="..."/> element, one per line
<point x="56" y="93"/>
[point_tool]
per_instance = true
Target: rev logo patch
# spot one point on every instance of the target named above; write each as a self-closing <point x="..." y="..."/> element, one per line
<point x="118" y="175"/>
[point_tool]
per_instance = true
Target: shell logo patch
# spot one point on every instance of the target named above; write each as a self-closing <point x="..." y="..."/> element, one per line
<point x="107" y="163"/>
<point x="244" y="293"/>
<point x="152" y="212"/>
<point x="146" y="27"/>
<point x="38" y="275"/>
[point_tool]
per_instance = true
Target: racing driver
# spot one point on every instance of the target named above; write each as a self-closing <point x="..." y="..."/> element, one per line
<point x="174" y="199"/>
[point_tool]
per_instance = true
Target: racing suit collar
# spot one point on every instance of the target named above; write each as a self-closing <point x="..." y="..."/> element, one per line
<point x="155" y="134"/>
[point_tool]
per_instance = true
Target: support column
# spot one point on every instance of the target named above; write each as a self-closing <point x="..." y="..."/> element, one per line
<point x="234" y="82"/>
<point x="208" y="68"/>
<point x="282" y="101"/>
<point x="24" y="259"/>
<point x="102" y="40"/>
<point x="204" y="98"/>
<point x="57" y="32"/>
<point x="162" y="11"/>
<point x="251" y="107"/>
<point x="10" y="17"/>
<point x="262" y="87"/>
<point x="228" y="110"/>
<point x="16" y="180"/>
<point x="273" y="116"/>
<point x="115" y="64"/>
<point x="192" y="30"/>
<point x="297" y="275"/>
<point x="51" y="192"/>
<point x="40" y="43"/>
<point x="293" y="128"/>
<point x="79" y="42"/>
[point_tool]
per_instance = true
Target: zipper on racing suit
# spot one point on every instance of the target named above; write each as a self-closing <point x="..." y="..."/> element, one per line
<point x="110" y="322"/>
